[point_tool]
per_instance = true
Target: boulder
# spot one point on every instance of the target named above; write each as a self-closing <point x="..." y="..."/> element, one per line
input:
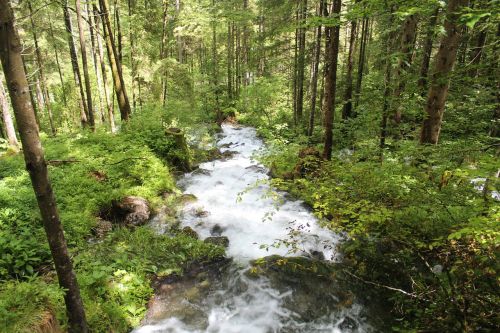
<point x="135" y="211"/>
<point x="188" y="231"/>
<point x="216" y="230"/>
<point x="219" y="241"/>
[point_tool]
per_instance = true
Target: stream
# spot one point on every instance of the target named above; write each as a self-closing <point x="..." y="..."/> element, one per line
<point x="235" y="200"/>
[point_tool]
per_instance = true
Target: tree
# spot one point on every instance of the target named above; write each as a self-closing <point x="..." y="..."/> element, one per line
<point x="74" y="63"/>
<point x="315" y="70"/>
<point x="10" y="131"/>
<point x="440" y="80"/>
<point x="12" y="63"/>
<point x="85" y="67"/>
<point x="114" y="59"/>
<point x="331" y="61"/>
<point x="347" y="109"/>
<point x="44" y="90"/>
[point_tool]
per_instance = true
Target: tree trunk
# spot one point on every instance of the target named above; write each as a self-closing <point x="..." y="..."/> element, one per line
<point x="163" y="51"/>
<point x="215" y="64"/>
<point x="74" y="63"/>
<point x="347" y="109"/>
<point x="440" y="81"/>
<point x="361" y="61"/>
<point x="314" y="79"/>
<point x="407" y="46"/>
<point x="59" y="71"/>
<point x="119" y="36"/>
<point x="39" y="60"/>
<point x="246" y="48"/>
<point x="100" y="51"/>
<point x="476" y="53"/>
<point x="10" y="131"/>
<point x="180" y="42"/>
<point x="331" y="61"/>
<point x="301" y="59"/>
<point x="85" y="67"/>
<point x="10" y="55"/>
<point x="97" y="71"/>
<point x="114" y="60"/>
<point x="133" y="65"/>
<point x="229" y="61"/>
<point x="426" y="58"/>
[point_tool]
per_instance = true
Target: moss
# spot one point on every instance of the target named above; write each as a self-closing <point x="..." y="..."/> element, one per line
<point x="88" y="171"/>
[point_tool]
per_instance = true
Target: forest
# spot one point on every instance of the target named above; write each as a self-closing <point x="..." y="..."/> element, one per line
<point x="249" y="166"/>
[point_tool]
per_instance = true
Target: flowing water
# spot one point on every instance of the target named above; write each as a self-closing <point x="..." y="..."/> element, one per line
<point x="235" y="200"/>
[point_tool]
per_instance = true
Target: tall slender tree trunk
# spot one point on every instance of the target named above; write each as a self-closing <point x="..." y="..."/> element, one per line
<point x="10" y="131"/>
<point x="408" y="38"/>
<point x="332" y="53"/>
<point x="74" y="63"/>
<point x="476" y="53"/>
<point x="362" y="59"/>
<point x="59" y="71"/>
<point x="10" y="56"/>
<point x="85" y="67"/>
<point x="315" y="70"/>
<point x="301" y="59"/>
<point x="218" y="111"/>
<point x="347" y="109"/>
<point x="427" y="52"/>
<point x="180" y="41"/>
<point x="246" y="48"/>
<point x="32" y="95"/>
<point x="114" y="60"/>
<point x="93" y="48"/>
<point x="100" y="52"/>
<point x="229" y="61"/>
<point x="133" y="64"/>
<point x="164" y="51"/>
<point x="440" y="80"/>
<point x="119" y="35"/>
<point x="41" y="72"/>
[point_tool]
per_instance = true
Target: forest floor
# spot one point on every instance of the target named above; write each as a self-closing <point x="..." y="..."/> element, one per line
<point x="114" y="266"/>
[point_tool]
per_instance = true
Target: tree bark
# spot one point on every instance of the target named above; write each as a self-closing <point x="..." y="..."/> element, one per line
<point x="314" y="79"/>
<point x="407" y="46"/>
<point x="164" y="52"/>
<point x="440" y="81"/>
<point x="426" y="58"/>
<point x="229" y="61"/>
<point x="59" y="71"/>
<point x="10" y="131"/>
<point x="85" y="67"/>
<point x="100" y="51"/>
<point x="331" y="62"/>
<point x="301" y="59"/>
<point x="347" y="109"/>
<point x="361" y="60"/>
<point x="10" y="55"/>
<point x="114" y="60"/>
<point x="74" y="63"/>
<point x="39" y="60"/>
<point x="93" y="48"/>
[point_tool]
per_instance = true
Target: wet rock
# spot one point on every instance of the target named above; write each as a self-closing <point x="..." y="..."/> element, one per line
<point x="201" y="213"/>
<point x="201" y="171"/>
<point x="187" y="199"/>
<point x="348" y="324"/>
<point x="219" y="240"/>
<point x="188" y="231"/>
<point x="130" y="211"/>
<point x="228" y="154"/>
<point x="257" y="169"/>
<point x="226" y="145"/>
<point x="216" y="230"/>
<point x="102" y="228"/>
<point x="317" y="255"/>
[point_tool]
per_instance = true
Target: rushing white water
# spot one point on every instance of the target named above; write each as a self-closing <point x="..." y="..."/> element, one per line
<point x="235" y="200"/>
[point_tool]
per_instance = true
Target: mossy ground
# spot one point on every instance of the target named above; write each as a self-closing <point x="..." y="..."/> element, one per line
<point x="88" y="171"/>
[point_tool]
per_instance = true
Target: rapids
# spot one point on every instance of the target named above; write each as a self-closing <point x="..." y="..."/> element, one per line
<point x="235" y="199"/>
